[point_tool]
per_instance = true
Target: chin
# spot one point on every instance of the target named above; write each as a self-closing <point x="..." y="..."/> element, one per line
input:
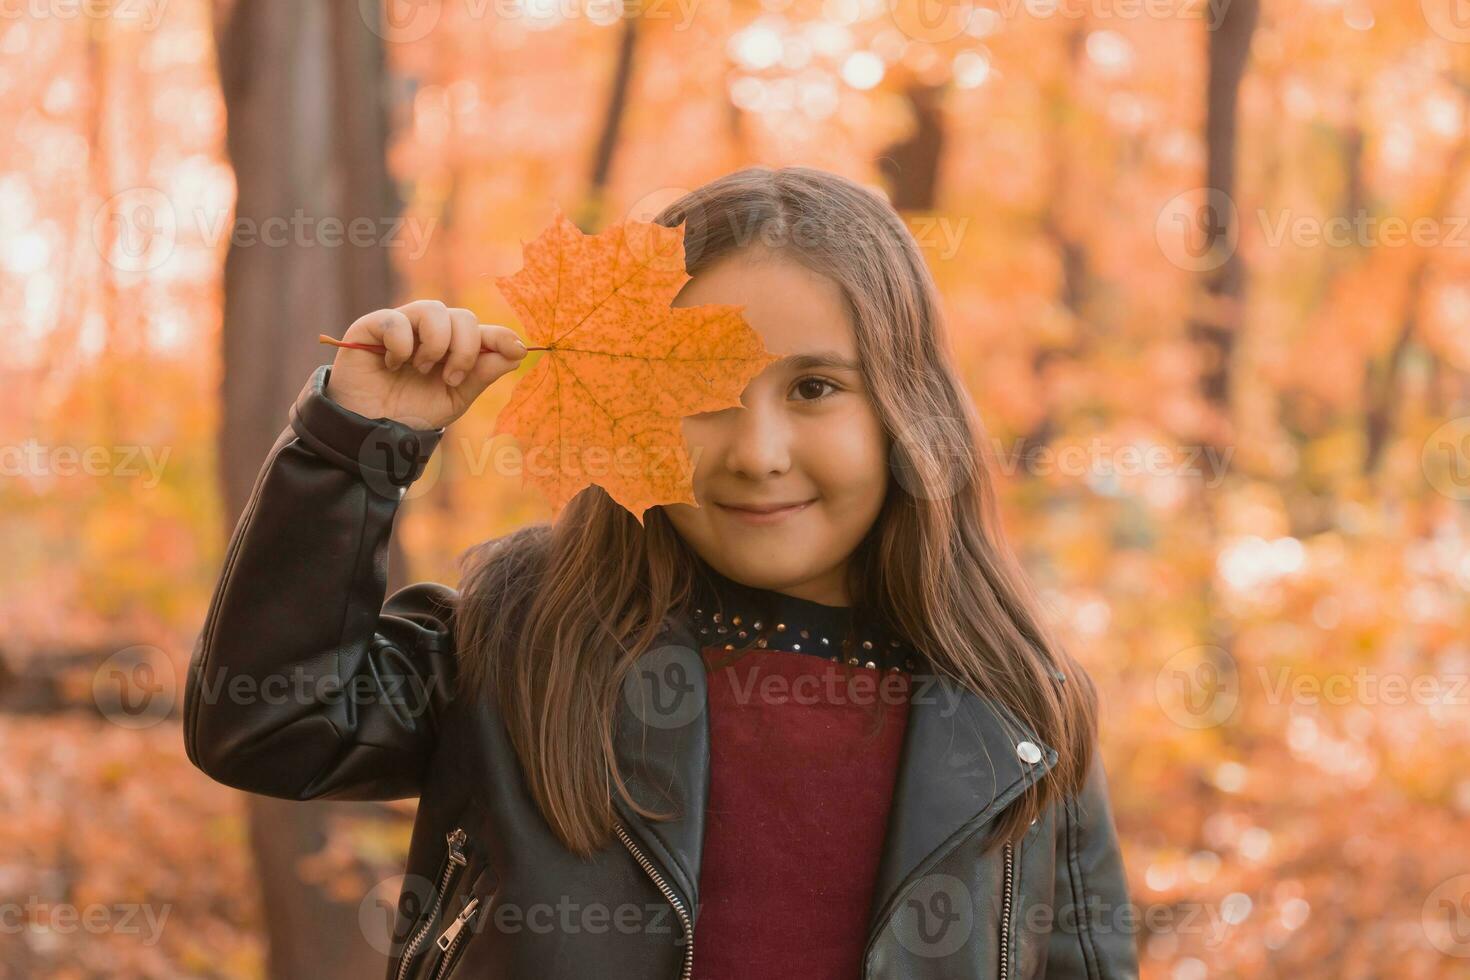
<point x="756" y="567"/>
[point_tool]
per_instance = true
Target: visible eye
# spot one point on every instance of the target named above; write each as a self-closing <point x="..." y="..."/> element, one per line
<point x="816" y="380"/>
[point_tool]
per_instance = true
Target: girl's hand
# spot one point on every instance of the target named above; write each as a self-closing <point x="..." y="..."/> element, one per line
<point x="433" y="368"/>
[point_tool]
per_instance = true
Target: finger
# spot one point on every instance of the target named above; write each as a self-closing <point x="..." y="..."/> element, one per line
<point x="464" y="345"/>
<point x="390" y="328"/>
<point x="492" y="364"/>
<point x="509" y="343"/>
<point x="430" y="319"/>
<point x="398" y="338"/>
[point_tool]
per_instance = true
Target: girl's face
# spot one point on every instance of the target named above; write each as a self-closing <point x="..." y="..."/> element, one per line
<point x="807" y="434"/>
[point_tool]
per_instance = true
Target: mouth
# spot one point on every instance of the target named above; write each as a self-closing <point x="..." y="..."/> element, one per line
<point x="765" y="513"/>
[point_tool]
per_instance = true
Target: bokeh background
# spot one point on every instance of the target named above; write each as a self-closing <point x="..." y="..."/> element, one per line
<point x="1205" y="269"/>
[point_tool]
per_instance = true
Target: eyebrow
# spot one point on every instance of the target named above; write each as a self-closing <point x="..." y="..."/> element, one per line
<point x="818" y="359"/>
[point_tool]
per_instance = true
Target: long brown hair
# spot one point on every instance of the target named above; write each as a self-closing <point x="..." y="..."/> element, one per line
<point x="553" y="617"/>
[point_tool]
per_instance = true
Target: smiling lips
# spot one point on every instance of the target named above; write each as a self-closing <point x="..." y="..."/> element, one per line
<point x="764" y="513"/>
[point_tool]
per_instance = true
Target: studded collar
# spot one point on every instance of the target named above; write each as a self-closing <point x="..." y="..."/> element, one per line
<point x="735" y="616"/>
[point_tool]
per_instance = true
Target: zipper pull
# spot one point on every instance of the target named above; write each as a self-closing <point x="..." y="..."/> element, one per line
<point x="446" y="938"/>
<point x="456" y="838"/>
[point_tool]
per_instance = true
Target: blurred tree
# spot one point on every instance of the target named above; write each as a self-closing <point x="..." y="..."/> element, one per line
<point x="911" y="165"/>
<point x="1217" y="324"/>
<point x="591" y="217"/>
<point x="303" y="86"/>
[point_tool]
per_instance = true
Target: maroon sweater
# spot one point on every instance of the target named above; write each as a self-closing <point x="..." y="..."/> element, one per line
<point x="804" y="746"/>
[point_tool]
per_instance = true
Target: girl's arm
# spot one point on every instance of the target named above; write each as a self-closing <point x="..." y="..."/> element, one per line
<point x="303" y="683"/>
<point x="1095" y="927"/>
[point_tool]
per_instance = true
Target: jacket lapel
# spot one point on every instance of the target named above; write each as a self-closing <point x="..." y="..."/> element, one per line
<point x="963" y="760"/>
<point x="661" y="743"/>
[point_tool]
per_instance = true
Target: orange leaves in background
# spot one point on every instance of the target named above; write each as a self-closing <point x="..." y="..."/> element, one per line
<point x="603" y="404"/>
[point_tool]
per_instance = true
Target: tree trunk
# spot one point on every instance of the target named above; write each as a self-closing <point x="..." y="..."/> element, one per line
<point x="911" y="166"/>
<point x="591" y="216"/>
<point x="303" y="89"/>
<point x="1214" y="328"/>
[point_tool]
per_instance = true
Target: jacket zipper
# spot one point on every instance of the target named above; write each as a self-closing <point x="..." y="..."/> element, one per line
<point x="1005" y="911"/>
<point x="453" y="860"/>
<point x="668" y="893"/>
<point x="449" y="939"/>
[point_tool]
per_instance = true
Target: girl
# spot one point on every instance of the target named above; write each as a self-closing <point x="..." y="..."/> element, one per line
<point x="813" y="727"/>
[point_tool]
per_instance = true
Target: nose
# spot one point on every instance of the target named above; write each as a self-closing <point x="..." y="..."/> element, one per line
<point x="759" y="442"/>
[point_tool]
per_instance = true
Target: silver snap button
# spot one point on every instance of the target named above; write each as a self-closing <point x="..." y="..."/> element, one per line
<point x="1029" y="753"/>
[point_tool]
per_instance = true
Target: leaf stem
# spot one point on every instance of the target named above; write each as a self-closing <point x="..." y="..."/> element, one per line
<point x="380" y="349"/>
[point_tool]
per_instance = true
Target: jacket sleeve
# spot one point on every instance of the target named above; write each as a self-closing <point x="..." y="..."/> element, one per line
<point x="1094" y="927"/>
<point x="303" y="683"/>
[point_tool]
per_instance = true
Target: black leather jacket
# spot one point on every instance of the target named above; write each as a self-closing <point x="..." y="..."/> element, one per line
<point x="306" y="685"/>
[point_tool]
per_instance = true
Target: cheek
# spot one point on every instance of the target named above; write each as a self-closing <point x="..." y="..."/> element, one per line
<point x="850" y="462"/>
<point x="698" y="458"/>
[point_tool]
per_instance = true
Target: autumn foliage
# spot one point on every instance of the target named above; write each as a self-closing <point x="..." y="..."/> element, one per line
<point x="1260" y="557"/>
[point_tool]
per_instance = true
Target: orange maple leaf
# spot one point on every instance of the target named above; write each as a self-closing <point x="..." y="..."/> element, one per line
<point x="602" y="405"/>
